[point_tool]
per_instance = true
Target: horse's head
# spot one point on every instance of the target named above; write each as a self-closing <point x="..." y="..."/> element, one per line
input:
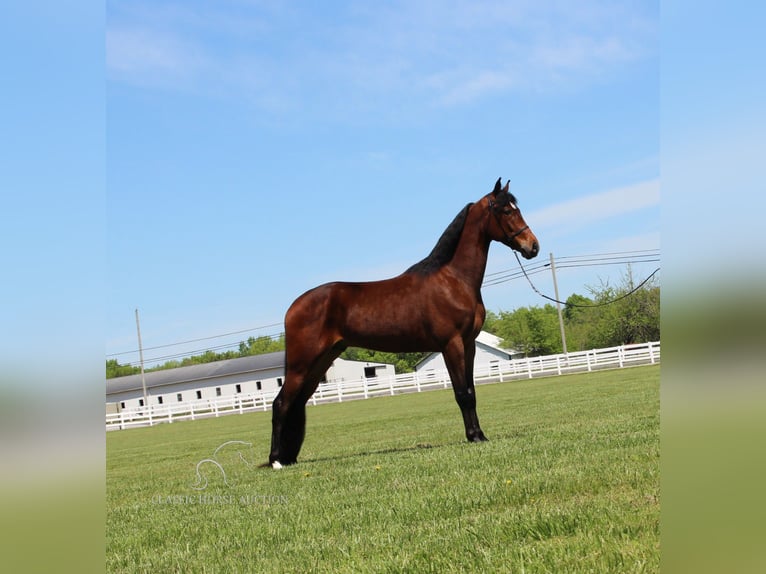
<point x="507" y="225"/>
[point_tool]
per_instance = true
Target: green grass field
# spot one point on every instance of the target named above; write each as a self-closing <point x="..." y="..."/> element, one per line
<point x="569" y="482"/>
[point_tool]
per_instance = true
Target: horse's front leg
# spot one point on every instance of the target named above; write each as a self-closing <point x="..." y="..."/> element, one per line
<point x="459" y="356"/>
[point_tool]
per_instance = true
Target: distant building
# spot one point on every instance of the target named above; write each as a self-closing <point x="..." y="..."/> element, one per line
<point x="488" y="353"/>
<point x="245" y="375"/>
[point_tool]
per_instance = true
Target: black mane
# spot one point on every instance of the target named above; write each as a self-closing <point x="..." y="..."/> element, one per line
<point x="442" y="253"/>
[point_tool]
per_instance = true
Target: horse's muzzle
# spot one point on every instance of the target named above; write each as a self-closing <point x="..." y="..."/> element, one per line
<point x="531" y="252"/>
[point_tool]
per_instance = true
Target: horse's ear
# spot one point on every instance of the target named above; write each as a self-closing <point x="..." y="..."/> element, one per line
<point x="497" y="189"/>
<point x="507" y="186"/>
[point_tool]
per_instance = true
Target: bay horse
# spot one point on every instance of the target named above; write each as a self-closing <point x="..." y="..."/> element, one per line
<point x="435" y="305"/>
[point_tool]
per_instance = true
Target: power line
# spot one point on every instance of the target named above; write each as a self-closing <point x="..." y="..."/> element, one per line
<point x="608" y="263"/>
<point x="620" y="255"/>
<point x="195" y="340"/>
<point x="617" y="253"/>
<point x="190" y="353"/>
<point x="573" y="261"/>
<point x="540" y="266"/>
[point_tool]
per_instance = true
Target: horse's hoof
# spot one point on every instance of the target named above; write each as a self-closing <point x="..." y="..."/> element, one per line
<point x="276" y="465"/>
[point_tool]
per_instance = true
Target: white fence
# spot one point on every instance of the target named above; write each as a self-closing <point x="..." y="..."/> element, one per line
<point x="527" y="368"/>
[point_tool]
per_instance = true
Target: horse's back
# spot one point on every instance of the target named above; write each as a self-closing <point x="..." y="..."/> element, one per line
<point x="383" y="315"/>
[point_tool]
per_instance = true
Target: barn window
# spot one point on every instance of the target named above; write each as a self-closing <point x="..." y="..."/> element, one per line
<point x="218" y="391"/>
<point x="122" y="405"/>
<point x="238" y="388"/>
<point x="159" y="400"/>
<point x="369" y="373"/>
<point x="140" y="402"/>
<point x="179" y="397"/>
<point x="258" y="385"/>
<point x="199" y="394"/>
<point x="279" y="382"/>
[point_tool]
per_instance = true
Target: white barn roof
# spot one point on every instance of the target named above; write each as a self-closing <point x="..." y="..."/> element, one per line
<point x="484" y="340"/>
<point x="199" y="372"/>
<point x="489" y="339"/>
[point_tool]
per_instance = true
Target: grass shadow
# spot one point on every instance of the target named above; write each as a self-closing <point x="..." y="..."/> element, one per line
<point x="499" y="437"/>
<point x="382" y="451"/>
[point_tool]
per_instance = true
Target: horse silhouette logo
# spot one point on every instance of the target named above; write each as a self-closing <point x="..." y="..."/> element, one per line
<point x="218" y="465"/>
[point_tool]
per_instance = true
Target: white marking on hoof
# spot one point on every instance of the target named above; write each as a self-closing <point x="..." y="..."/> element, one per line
<point x="276" y="465"/>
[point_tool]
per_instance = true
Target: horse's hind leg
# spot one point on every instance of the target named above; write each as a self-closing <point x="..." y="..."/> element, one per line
<point x="288" y="420"/>
<point x="288" y="416"/>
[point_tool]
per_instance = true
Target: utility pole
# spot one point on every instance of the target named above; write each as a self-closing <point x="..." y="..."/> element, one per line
<point x="141" y="356"/>
<point x="558" y="305"/>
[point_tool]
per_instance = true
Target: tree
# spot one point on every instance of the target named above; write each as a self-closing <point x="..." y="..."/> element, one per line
<point x="578" y="322"/>
<point x="261" y="345"/>
<point x="531" y="330"/>
<point x="634" y="318"/>
<point x="601" y="320"/>
<point x="576" y="308"/>
<point x="115" y="369"/>
<point x="491" y="322"/>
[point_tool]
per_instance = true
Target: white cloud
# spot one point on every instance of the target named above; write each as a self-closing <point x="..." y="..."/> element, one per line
<point x="588" y="209"/>
<point x="458" y="88"/>
<point x="637" y="242"/>
<point x="141" y="55"/>
<point x="577" y="52"/>
<point x="415" y="52"/>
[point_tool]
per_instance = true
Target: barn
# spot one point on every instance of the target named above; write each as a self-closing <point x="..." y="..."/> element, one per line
<point x="245" y="376"/>
<point x="488" y="353"/>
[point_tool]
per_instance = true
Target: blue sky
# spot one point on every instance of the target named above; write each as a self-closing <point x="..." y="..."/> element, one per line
<point x="165" y="179"/>
<point x="52" y="173"/>
<point x="255" y="150"/>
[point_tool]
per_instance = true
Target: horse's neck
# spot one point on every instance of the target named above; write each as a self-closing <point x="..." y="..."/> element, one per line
<point x="470" y="259"/>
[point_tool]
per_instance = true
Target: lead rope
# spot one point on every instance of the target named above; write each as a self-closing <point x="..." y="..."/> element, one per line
<point x="536" y="290"/>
